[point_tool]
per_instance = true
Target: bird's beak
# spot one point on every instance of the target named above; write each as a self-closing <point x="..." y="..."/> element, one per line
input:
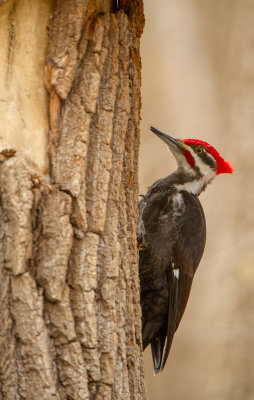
<point x="169" y="140"/>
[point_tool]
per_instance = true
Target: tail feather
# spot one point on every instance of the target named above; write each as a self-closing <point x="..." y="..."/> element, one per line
<point x="162" y="340"/>
<point x="172" y="315"/>
<point x="157" y="344"/>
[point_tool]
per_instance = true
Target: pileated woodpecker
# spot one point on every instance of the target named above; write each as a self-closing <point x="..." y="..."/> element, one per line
<point x="171" y="240"/>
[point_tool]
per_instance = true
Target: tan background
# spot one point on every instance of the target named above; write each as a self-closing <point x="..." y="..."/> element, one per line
<point x="198" y="82"/>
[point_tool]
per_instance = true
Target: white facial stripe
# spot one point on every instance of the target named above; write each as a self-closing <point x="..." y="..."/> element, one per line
<point x="194" y="187"/>
<point x="181" y="160"/>
<point x="206" y="171"/>
<point x="199" y="161"/>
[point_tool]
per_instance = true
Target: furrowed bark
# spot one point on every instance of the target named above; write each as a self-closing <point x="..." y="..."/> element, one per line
<point x="70" y="313"/>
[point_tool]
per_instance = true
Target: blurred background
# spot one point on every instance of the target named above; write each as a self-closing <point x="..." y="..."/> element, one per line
<point x="198" y="82"/>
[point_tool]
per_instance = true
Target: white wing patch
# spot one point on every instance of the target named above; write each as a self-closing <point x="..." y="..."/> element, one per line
<point x="176" y="272"/>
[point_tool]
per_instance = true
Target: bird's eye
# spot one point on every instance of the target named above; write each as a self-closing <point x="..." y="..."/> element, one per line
<point x="198" y="150"/>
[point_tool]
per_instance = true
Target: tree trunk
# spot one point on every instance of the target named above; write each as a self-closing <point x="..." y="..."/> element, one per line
<point x="70" y="318"/>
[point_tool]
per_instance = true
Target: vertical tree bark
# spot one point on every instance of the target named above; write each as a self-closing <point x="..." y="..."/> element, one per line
<point x="70" y="312"/>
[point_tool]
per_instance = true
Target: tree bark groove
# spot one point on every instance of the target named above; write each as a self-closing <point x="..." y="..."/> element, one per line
<point x="70" y="317"/>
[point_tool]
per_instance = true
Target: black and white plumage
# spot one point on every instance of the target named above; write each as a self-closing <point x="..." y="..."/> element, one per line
<point x="171" y="240"/>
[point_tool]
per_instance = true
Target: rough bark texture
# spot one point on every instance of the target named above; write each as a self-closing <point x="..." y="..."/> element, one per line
<point x="70" y="313"/>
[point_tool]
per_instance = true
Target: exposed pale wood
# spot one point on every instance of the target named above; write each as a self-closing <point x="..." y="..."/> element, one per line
<point x="23" y="97"/>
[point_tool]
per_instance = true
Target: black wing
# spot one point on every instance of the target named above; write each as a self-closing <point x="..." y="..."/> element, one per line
<point x="171" y="245"/>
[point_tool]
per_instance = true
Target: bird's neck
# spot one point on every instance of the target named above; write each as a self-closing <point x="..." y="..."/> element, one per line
<point x="193" y="182"/>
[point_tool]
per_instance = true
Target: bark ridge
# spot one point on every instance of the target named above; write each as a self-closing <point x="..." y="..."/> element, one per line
<point x="70" y="311"/>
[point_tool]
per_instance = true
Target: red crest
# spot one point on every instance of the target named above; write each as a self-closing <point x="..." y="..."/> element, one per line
<point x="222" y="165"/>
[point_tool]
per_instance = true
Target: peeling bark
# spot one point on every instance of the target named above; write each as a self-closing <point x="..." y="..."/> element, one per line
<point x="70" y="318"/>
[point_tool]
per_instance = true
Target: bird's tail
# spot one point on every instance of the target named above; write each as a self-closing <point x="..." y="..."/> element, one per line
<point x="166" y="334"/>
